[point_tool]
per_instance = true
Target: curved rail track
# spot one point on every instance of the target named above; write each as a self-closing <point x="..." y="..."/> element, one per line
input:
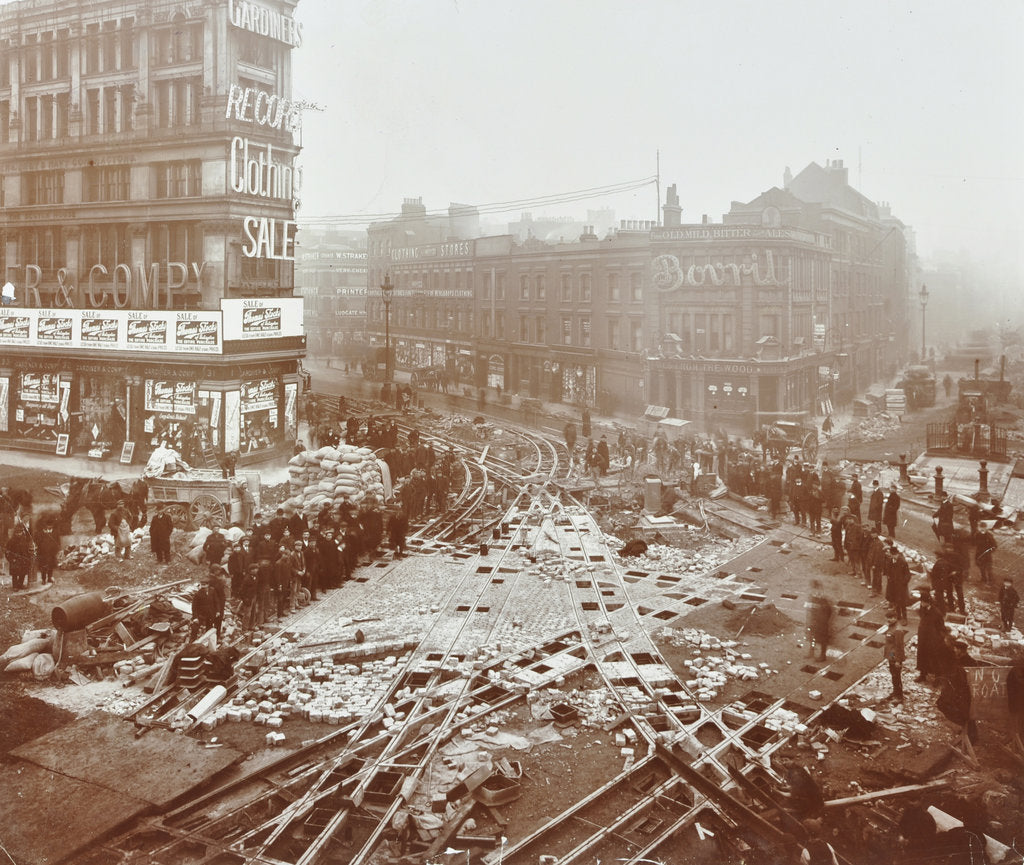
<point x="337" y="799"/>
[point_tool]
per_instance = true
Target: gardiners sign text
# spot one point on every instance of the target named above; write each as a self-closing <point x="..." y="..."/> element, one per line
<point x="129" y="288"/>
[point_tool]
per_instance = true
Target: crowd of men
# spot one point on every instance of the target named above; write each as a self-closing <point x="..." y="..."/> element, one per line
<point x="286" y="560"/>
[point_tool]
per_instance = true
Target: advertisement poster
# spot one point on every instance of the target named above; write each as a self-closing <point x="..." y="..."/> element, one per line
<point x="14" y="328"/>
<point x="171" y="397"/>
<point x="40" y="388"/>
<point x="264" y="321"/>
<point x="55" y="330"/>
<point x="99" y="332"/>
<point x="4" y="420"/>
<point x="259" y="395"/>
<point x="260" y="318"/>
<point x="199" y="334"/>
<point x="147" y="334"/>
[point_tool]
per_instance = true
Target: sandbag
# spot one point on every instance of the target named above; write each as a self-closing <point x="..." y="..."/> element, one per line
<point x="234" y="534"/>
<point x="43" y="666"/>
<point x="353" y="458"/>
<point x="365" y="451"/>
<point x="199" y="538"/>
<point x="37" y="634"/>
<point x="297" y="460"/>
<point x="22" y="665"/>
<point x="329" y="465"/>
<point x="29" y="647"/>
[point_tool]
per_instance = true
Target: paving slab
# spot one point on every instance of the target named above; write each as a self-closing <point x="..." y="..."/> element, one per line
<point x="48" y="817"/>
<point x="102" y="750"/>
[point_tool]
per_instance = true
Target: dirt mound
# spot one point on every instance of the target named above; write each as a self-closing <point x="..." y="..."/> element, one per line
<point x="761" y="621"/>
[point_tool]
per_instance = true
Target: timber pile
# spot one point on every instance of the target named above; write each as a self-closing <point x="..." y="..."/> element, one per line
<point x="345" y="475"/>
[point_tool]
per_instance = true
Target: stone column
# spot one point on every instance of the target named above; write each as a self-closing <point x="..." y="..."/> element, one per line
<point x="220" y="236"/>
<point x="939" y="481"/>
<point x="983" y="493"/>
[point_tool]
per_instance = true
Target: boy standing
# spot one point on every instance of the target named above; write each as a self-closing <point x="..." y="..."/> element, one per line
<point x="895" y="653"/>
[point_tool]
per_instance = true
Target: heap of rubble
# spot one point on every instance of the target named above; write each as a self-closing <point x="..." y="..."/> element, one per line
<point x="95" y="549"/>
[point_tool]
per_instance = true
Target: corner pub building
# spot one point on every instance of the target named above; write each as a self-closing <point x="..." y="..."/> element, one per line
<point x="147" y="195"/>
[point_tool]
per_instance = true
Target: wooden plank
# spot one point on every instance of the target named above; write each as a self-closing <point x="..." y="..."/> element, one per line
<point x="103" y="750"/>
<point x="884" y="794"/>
<point x="48" y="817"/>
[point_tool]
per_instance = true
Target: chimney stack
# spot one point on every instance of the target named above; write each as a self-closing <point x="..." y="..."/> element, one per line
<point x="671" y="211"/>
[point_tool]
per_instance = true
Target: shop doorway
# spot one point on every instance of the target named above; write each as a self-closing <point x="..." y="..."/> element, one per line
<point x="496" y="371"/>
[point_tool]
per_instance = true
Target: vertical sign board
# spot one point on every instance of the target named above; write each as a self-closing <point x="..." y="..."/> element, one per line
<point x="127" y="452"/>
<point x="988" y="692"/>
<point x="62" y="444"/>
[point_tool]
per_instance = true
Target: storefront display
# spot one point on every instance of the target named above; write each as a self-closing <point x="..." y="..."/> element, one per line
<point x="99" y="417"/>
<point x="170" y="413"/>
<point x="260" y="423"/>
<point x="37" y="411"/>
<point x="579" y="384"/>
<point x="202" y="414"/>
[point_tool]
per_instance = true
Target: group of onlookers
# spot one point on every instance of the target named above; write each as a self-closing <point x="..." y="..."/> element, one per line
<point x="287" y="560"/>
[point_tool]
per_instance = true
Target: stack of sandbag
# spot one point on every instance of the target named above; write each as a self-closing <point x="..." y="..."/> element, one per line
<point x="342" y="475"/>
<point x="32" y="654"/>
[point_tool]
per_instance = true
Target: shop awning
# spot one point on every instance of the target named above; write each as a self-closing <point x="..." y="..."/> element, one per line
<point x="674" y="423"/>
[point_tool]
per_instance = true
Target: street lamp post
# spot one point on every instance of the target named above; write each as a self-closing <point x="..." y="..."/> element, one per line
<point x="386" y="290"/>
<point x="924" y="303"/>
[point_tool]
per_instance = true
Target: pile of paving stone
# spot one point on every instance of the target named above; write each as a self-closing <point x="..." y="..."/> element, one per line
<point x="679" y="561"/>
<point x="715" y="663"/>
<point x="550" y="566"/>
<point x="313" y="687"/>
<point x="874" y="429"/>
<point x="95" y="549"/>
<point x="345" y="475"/>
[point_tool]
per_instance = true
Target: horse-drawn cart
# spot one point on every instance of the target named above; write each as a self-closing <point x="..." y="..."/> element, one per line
<point x="203" y="497"/>
<point x="779" y="438"/>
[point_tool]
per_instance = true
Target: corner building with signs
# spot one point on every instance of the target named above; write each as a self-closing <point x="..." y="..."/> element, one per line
<point x="795" y="302"/>
<point x="148" y="181"/>
<point x="553" y="321"/>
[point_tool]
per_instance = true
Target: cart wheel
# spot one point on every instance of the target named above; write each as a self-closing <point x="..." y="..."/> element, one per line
<point x="179" y="516"/>
<point x="810" y="447"/>
<point x="206" y="510"/>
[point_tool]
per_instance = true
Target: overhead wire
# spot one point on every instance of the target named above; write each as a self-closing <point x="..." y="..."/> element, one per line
<point x="491" y="207"/>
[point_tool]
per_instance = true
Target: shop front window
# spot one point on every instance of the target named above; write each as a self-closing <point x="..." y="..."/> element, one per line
<point x="261" y="426"/>
<point x="37" y="406"/>
<point x="101" y="414"/>
<point x="172" y="416"/>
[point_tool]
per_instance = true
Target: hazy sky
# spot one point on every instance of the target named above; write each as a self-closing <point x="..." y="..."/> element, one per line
<point x="480" y="101"/>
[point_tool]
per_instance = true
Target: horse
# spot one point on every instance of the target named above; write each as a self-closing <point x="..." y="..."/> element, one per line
<point x="99" y="496"/>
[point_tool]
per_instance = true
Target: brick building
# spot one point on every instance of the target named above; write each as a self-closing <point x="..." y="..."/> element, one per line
<point x="330" y="275"/>
<point x="795" y="301"/>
